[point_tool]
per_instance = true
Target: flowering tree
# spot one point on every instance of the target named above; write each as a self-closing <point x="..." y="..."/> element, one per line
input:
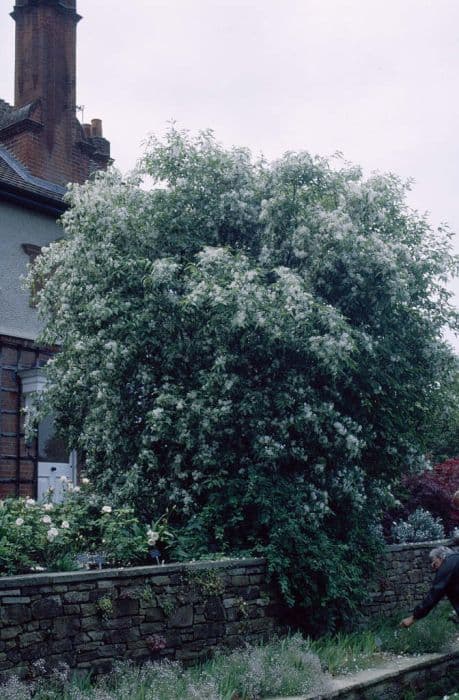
<point x="258" y="345"/>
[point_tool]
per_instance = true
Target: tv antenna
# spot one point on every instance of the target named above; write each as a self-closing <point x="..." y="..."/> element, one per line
<point x="80" y="108"/>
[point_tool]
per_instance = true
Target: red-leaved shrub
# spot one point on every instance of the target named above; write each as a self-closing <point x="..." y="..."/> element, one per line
<point x="434" y="490"/>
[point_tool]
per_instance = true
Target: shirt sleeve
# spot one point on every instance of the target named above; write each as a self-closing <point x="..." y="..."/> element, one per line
<point x="436" y="593"/>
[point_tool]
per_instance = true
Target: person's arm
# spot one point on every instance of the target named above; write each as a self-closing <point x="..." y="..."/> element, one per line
<point x="437" y="591"/>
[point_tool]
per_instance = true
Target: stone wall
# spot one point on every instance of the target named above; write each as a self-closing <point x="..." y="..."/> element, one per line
<point x="89" y="619"/>
<point x="184" y="612"/>
<point x="404" y="579"/>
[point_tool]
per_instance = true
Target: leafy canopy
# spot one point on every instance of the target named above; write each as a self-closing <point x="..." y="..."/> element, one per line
<point x="258" y="345"/>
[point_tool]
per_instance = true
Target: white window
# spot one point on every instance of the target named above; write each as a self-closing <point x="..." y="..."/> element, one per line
<point x="53" y="458"/>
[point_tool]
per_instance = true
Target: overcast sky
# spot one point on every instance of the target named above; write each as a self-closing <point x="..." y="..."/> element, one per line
<point x="375" y="79"/>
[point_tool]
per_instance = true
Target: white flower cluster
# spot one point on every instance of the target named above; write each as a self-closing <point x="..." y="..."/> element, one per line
<point x="421" y="526"/>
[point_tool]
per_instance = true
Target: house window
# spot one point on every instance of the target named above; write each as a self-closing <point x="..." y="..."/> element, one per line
<point x="32" y="251"/>
<point x="54" y="458"/>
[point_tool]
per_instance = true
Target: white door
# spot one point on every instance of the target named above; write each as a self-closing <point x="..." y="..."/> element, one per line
<point x="49" y="477"/>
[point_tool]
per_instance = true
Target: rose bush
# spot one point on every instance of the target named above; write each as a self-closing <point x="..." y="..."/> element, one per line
<point x="37" y="536"/>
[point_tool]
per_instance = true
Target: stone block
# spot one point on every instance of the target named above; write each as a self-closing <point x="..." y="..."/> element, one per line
<point x="151" y="628"/>
<point x="85" y="637"/>
<point x="72" y="610"/>
<point x="49" y="607"/>
<point x="10" y="632"/>
<point x="18" y="614"/>
<point x="160" y="580"/>
<point x="14" y="656"/>
<point x="107" y="584"/>
<point x="95" y="635"/>
<point x="229" y="602"/>
<point x="122" y="636"/>
<point x="208" y="631"/>
<point x="154" y="615"/>
<point x="214" y="609"/>
<point x="61" y="645"/>
<point x="120" y="623"/>
<point x="89" y="610"/>
<point x="125" y="606"/>
<point x="29" y="638"/>
<point x="34" y="652"/>
<point x="65" y="627"/>
<point x="182" y="617"/>
<point x="76" y="597"/>
<point x="89" y="623"/>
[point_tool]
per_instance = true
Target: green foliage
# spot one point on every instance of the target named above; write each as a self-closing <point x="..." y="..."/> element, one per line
<point x="105" y="607"/>
<point x="207" y="581"/>
<point x="431" y="634"/>
<point x="258" y="345"/>
<point x="282" y="667"/>
<point x="445" y="436"/>
<point x="347" y="653"/>
<point x="168" y="604"/>
<point x="37" y="536"/>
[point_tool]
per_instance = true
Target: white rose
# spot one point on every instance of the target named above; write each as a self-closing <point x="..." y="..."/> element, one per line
<point x="29" y="502"/>
<point x="48" y="506"/>
<point x="65" y="524"/>
<point x="153" y="537"/>
<point x="85" y="481"/>
<point x="63" y="479"/>
<point x="46" y="519"/>
<point x="106" y="509"/>
<point x="52" y="534"/>
<point x="20" y="521"/>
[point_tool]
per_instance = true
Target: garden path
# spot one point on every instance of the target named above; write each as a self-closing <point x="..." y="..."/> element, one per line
<point x="385" y="672"/>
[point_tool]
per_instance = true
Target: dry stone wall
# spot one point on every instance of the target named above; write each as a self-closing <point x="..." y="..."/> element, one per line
<point x="89" y="619"/>
<point x="405" y="577"/>
<point x="184" y="612"/>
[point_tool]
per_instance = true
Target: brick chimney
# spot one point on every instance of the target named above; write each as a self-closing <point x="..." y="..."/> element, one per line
<point x="42" y="131"/>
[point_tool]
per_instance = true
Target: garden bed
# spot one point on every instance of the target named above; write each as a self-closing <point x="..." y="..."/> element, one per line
<point x="399" y="678"/>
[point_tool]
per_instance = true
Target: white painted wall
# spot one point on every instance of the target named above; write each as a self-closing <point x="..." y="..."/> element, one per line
<point x="18" y="226"/>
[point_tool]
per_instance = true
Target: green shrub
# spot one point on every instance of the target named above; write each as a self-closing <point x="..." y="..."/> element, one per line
<point x="420" y="526"/>
<point x="36" y="536"/>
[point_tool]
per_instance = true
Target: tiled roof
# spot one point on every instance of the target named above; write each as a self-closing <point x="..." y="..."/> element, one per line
<point x="5" y="112"/>
<point x="12" y="115"/>
<point x="14" y="174"/>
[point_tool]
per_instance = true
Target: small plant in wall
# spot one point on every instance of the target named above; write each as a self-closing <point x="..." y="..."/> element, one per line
<point x="147" y="596"/>
<point x="105" y="607"/>
<point x="242" y="608"/>
<point x="156" y="643"/>
<point x="168" y="605"/>
<point x="207" y="581"/>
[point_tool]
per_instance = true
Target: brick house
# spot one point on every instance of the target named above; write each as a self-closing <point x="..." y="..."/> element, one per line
<point x="43" y="146"/>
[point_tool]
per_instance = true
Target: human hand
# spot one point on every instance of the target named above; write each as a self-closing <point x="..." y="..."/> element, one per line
<point x="407" y="621"/>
